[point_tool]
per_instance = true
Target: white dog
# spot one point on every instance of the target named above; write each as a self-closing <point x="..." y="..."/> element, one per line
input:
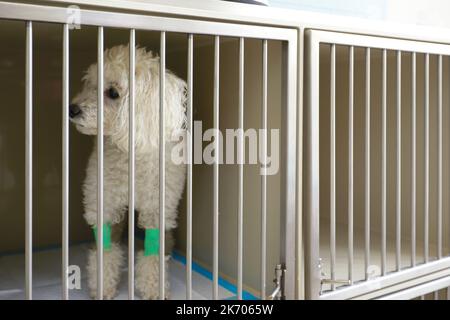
<point x="83" y="113"/>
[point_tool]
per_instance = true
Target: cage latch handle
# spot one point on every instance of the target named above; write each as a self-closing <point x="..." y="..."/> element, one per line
<point x="277" y="293"/>
<point x="325" y="280"/>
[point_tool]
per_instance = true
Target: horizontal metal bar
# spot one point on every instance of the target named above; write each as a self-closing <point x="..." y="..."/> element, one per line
<point x="222" y="10"/>
<point x="417" y="291"/>
<point x="328" y="37"/>
<point x="18" y="11"/>
<point x="388" y="280"/>
<point x="402" y="286"/>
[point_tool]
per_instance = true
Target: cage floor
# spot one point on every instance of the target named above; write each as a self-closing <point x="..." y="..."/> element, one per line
<point x="341" y="268"/>
<point x="47" y="277"/>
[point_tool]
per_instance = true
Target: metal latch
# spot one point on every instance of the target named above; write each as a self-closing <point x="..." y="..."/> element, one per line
<point x="278" y="293"/>
<point x="325" y="280"/>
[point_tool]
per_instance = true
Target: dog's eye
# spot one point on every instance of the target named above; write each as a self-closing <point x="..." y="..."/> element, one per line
<point x="112" y="93"/>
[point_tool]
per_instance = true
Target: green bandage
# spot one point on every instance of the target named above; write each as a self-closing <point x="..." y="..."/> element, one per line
<point x="106" y="236"/>
<point x="151" y="242"/>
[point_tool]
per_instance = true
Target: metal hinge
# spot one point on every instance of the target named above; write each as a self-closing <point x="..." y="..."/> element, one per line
<point x="278" y="292"/>
<point x="325" y="280"/>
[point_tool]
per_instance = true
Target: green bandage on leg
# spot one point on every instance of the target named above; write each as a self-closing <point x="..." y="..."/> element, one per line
<point x="151" y="243"/>
<point x="106" y="236"/>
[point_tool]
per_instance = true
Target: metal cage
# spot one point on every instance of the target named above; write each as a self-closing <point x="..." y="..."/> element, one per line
<point x="58" y="15"/>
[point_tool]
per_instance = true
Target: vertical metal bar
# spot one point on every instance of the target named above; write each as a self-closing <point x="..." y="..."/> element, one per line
<point x="264" y="173"/>
<point x="100" y="164"/>
<point x="383" y="163"/>
<point x="162" y="164"/>
<point x="299" y="234"/>
<point x="427" y="157"/>
<point x="413" y="159"/>
<point x="131" y="163"/>
<point x="333" y="162"/>
<point x="216" y="170"/>
<point x="288" y="166"/>
<point x="440" y="173"/>
<point x="350" y="163"/>
<point x="312" y="169"/>
<point x="29" y="162"/>
<point x="367" y="172"/>
<point x="190" y="118"/>
<point x="65" y="164"/>
<point x="241" y="170"/>
<point x="398" y="209"/>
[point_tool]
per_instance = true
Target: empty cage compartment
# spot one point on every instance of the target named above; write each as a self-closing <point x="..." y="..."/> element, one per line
<point x="377" y="139"/>
<point x="236" y="217"/>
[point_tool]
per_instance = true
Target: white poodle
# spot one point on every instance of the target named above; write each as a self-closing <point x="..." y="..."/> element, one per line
<point x="83" y="113"/>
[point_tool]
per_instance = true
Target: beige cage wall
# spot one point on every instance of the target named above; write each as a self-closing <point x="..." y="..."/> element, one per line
<point x="48" y="142"/>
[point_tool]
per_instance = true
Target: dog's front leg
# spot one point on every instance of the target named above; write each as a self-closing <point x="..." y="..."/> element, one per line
<point x="113" y="261"/>
<point x="147" y="264"/>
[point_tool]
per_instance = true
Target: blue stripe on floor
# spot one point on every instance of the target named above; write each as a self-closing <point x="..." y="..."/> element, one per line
<point x="207" y="274"/>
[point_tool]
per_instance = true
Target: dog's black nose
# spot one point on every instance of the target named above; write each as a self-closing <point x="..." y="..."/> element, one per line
<point x="74" y="110"/>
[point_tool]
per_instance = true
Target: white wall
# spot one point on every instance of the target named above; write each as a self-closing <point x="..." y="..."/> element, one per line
<point x="431" y="12"/>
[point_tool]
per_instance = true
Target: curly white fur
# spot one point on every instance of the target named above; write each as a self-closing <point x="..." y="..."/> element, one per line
<point x="116" y="120"/>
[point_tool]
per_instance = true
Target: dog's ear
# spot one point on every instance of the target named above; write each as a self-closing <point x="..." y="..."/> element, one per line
<point x="147" y="108"/>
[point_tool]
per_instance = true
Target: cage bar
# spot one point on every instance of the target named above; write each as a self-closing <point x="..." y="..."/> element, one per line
<point x="240" y="223"/>
<point x="413" y="158"/>
<point x="350" y="162"/>
<point x="427" y="159"/>
<point x="367" y="170"/>
<point x="100" y="164"/>
<point x="190" y="118"/>
<point x="162" y="164"/>
<point x="29" y="162"/>
<point x="440" y="148"/>
<point x="65" y="164"/>
<point x="383" y="161"/>
<point x="131" y="163"/>
<point x="333" y="163"/>
<point x="215" y="284"/>
<point x="264" y="172"/>
<point x="398" y="196"/>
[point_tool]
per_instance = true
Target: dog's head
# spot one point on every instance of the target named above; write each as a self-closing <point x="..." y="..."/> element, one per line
<point x="83" y="108"/>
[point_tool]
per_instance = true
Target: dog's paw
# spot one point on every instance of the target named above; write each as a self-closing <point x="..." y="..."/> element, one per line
<point x="147" y="277"/>
<point x="113" y="260"/>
